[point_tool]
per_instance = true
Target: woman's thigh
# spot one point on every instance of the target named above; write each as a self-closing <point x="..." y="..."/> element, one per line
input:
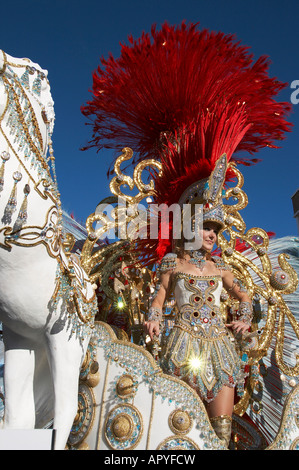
<point x="223" y="404"/>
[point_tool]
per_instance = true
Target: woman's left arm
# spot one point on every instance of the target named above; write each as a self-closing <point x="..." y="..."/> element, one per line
<point x="234" y="287"/>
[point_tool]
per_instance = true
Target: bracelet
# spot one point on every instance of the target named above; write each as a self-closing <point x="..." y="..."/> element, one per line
<point x="245" y="312"/>
<point x="240" y="284"/>
<point x="154" y="314"/>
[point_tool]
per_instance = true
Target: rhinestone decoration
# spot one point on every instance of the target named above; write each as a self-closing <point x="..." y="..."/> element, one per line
<point x="178" y="443"/>
<point x="279" y="280"/>
<point x="146" y="371"/>
<point x="180" y="422"/>
<point x="125" y="386"/>
<point x="123" y="427"/>
<point x="85" y="415"/>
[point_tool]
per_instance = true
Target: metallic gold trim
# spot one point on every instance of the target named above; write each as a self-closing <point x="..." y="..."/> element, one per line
<point x="295" y="444"/>
<point x="88" y="409"/>
<point x="30" y="235"/>
<point x="150" y="422"/>
<point x="125" y="386"/>
<point x="122" y="426"/>
<point x="103" y="401"/>
<point x="178" y="436"/>
<point x="180" y="422"/>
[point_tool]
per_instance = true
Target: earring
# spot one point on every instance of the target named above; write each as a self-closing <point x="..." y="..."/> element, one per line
<point x="5" y="157"/>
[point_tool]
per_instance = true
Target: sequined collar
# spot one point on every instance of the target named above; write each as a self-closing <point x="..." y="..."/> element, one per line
<point x="197" y="276"/>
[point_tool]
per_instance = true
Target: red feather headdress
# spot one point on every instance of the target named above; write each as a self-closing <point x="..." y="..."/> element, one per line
<point x="185" y="97"/>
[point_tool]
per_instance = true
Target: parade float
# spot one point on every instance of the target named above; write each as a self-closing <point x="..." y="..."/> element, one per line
<point x="76" y="359"/>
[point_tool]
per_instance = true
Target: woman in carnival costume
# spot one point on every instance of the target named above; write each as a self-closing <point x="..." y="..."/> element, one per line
<point x="200" y="348"/>
<point x="191" y="100"/>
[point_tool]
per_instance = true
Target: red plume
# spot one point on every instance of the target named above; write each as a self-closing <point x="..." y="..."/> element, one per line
<point x="172" y="80"/>
<point x="185" y="97"/>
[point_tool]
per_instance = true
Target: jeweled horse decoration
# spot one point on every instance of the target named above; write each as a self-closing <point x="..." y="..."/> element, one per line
<point x="47" y="302"/>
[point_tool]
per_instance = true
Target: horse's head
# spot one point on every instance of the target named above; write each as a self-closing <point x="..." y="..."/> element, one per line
<point x="34" y="82"/>
<point x="26" y="114"/>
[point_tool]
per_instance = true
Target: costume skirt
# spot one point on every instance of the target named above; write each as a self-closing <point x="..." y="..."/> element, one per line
<point x="206" y="364"/>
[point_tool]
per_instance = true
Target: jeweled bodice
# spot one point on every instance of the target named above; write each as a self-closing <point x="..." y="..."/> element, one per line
<point x="200" y="348"/>
<point x="198" y="301"/>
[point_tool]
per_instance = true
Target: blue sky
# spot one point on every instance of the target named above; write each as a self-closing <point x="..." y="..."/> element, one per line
<point x="68" y="37"/>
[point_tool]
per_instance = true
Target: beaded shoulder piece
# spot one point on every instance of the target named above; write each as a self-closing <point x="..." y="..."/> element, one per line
<point x="220" y="264"/>
<point x="169" y="262"/>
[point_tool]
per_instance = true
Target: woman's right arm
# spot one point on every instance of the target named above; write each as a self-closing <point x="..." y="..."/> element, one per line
<point x="152" y="325"/>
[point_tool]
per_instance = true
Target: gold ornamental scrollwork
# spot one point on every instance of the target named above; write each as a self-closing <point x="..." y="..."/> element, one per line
<point x="261" y="281"/>
<point x="29" y="236"/>
<point x="145" y="189"/>
<point x="90" y="258"/>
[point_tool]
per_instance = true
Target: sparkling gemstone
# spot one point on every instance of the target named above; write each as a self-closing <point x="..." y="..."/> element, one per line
<point x="17" y="176"/>
<point x="5" y="156"/>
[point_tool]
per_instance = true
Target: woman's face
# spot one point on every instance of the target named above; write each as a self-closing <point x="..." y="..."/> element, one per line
<point x="209" y="235"/>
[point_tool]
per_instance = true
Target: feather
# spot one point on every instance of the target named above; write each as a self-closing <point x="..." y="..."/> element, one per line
<point x="185" y="96"/>
<point x="163" y="82"/>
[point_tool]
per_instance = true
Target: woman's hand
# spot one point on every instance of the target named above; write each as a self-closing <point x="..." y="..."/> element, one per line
<point x="152" y="328"/>
<point x="238" y="326"/>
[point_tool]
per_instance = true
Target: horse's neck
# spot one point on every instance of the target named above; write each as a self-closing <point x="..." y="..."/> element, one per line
<point x="25" y="173"/>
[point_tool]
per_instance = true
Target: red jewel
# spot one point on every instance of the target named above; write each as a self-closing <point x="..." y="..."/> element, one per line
<point x="212" y="283"/>
<point x="210" y="299"/>
<point x="205" y="320"/>
<point x="195" y="314"/>
<point x="191" y="281"/>
<point x="197" y="299"/>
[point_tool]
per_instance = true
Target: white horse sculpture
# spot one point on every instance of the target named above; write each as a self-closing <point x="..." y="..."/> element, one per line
<point x="47" y="303"/>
